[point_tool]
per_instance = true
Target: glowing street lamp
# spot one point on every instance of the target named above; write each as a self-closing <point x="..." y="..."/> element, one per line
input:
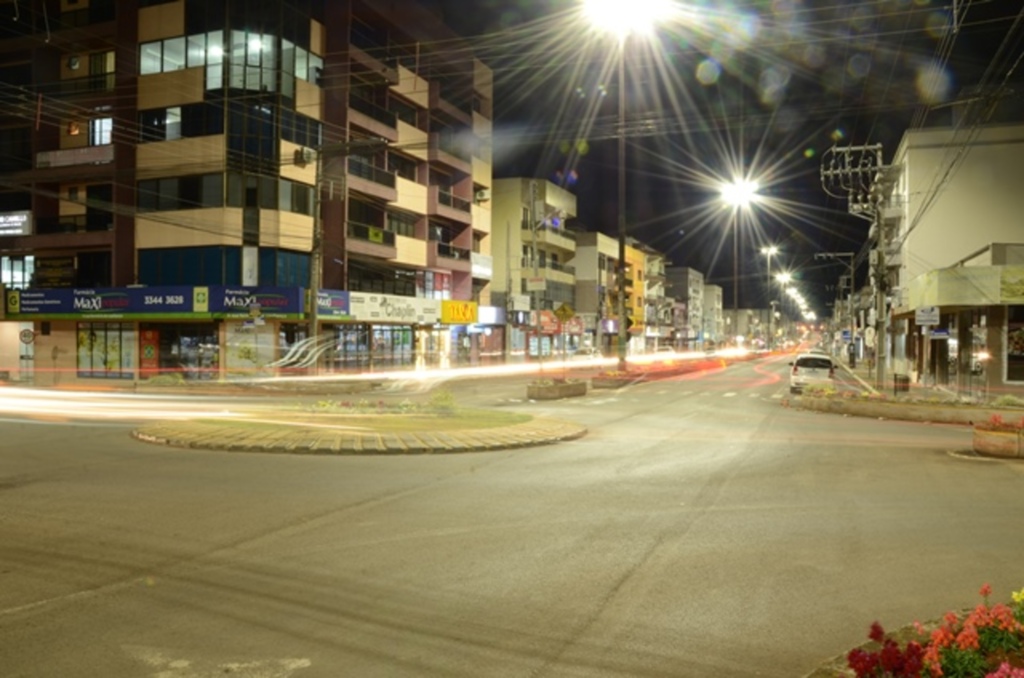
<point x="737" y="195"/>
<point x="622" y="19"/>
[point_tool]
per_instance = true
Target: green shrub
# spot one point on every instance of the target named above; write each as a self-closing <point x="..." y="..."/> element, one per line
<point x="442" y="401"/>
<point x="169" y="379"/>
<point x="1008" y="401"/>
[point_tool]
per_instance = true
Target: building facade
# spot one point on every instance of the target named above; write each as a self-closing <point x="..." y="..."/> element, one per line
<point x="229" y="158"/>
<point x="687" y="285"/>
<point x="954" y="259"/>
<point x="713" y="322"/>
<point x="533" y="276"/>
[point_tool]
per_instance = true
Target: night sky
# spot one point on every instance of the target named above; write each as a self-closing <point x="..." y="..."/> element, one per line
<point x="766" y="86"/>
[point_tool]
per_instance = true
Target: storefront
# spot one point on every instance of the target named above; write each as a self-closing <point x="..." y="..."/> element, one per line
<point x="196" y="333"/>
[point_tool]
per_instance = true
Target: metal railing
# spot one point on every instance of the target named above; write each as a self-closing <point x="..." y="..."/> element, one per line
<point x="364" y="170"/>
<point x="450" y="251"/>
<point x="374" y="234"/>
<point x="80" y="223"/>
<point x="527" y="263"/>
<point x="446" y="198"/>
<point x="368" y="108"/>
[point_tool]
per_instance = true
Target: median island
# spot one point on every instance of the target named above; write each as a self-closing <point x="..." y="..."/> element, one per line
<point x="363" y="427"/>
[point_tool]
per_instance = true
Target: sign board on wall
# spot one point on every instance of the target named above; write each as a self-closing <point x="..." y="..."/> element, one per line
<point x="458" y="312"/>
<point x="928" y="315"/>
<point x="154" y="302"/>
<point x="333" y="305"/>
<point x="388" y="308"/>
<point x="15" y="223"/>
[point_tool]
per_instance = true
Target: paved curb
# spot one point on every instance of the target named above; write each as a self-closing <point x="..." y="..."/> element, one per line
<point x="298" y="440"/>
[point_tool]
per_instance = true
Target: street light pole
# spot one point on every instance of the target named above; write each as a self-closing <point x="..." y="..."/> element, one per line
<point x="341" y="149"/>
<point x="770" y="251"/>
<point x="622" y="206"/>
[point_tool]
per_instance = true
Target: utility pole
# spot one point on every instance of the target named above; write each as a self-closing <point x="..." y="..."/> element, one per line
<point x="535" y="294"/>
<point x="848" y="256"/>
<point x="326" y="152"/>
<point x="858" y="175"/>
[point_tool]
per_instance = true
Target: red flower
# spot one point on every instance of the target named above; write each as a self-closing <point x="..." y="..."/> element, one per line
<point x="985" y="591"/>
<point x="877" y="633"/>
<point x="968" y="639"/>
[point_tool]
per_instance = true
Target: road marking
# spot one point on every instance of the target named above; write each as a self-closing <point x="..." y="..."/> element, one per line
<point x="183" y="668"/>
<point x="777" y="396"/>
<point x="755" y="395"/>
<point x="728" y="395"/>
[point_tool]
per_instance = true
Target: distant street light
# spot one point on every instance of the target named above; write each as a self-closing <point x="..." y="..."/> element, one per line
<point x="621" y="19"/>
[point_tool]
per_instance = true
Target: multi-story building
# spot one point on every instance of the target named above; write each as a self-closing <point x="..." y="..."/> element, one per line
<point x="746" y="327"/>
<point x="957" y="292"/>
<point x="596" y="265"/>
<point x="658" y="306"/>
<point x="687" y="285"/>
<point x="713" y="323"/>
<point x="178" y="174"/>
<point x="532" y="249"/>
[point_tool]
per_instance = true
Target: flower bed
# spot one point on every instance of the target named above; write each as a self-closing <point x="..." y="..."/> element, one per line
<point x="555" y="389"/>
<point x="986" y="642"/>
<point x="998" y="437"/>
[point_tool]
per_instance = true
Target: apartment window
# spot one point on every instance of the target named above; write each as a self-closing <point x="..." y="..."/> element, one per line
<point x="401" y="224"/>
<point x="308" y="66"/>
<point x="16" y="272"/>
<point x="360" y="212"/>
<point x="300" y="129"/>
<point x="179" y="193"/>
<point x="402" y="166"/>
<point x="404" y="111"/>
<point x="172" y="54"/>
<point x="100" y="131"/>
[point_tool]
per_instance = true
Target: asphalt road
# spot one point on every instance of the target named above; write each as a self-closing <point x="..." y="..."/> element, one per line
<point x="702" y="528"/>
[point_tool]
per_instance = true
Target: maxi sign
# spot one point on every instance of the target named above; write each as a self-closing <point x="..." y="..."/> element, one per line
<point x="154" y="303"/>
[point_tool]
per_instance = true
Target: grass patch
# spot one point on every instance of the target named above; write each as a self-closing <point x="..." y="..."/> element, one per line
<point x="458" y="420"/>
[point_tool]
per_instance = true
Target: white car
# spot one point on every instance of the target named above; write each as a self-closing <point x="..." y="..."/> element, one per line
<point x="586" y="353"/>
<point x="811" y="368"/>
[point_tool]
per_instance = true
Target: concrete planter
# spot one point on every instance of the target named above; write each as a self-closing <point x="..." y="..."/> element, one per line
<point x="906" y="411"/>
<point x="998" y="443"/>
<point x="556" y="390"/>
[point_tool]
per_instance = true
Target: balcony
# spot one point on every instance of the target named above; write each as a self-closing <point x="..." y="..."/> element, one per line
<point x="447" y="256"/>
<point x="442" y="99"/>
<point x="91" y="84"/>
<point x="547" y="264"/>
<point x="362" y="53"/>
<point x="87" y="155"/>
<point x="371" y="241"/>
<point x="373" y="118"/>
<point x="445" y="150"/>
<point x="80" y="223"/>
<point x="444" y="204"/>
<point x="549" y="270"/>
<point x="368" y="179"/>
<point x="555" y="237"/>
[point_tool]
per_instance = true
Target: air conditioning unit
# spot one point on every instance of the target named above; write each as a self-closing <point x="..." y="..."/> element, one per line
<point x="304" y="156"/>
<point x="483" y="194"/>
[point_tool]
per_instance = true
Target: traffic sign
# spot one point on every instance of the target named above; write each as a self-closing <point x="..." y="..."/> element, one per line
<point x="565" y="312"/>
<point x="927" y="315"/>
<point x="27" y="336"/>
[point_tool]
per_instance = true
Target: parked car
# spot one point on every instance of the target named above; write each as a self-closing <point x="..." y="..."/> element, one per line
<point x="811" y="368"/>
<point x="586" y="353"/>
